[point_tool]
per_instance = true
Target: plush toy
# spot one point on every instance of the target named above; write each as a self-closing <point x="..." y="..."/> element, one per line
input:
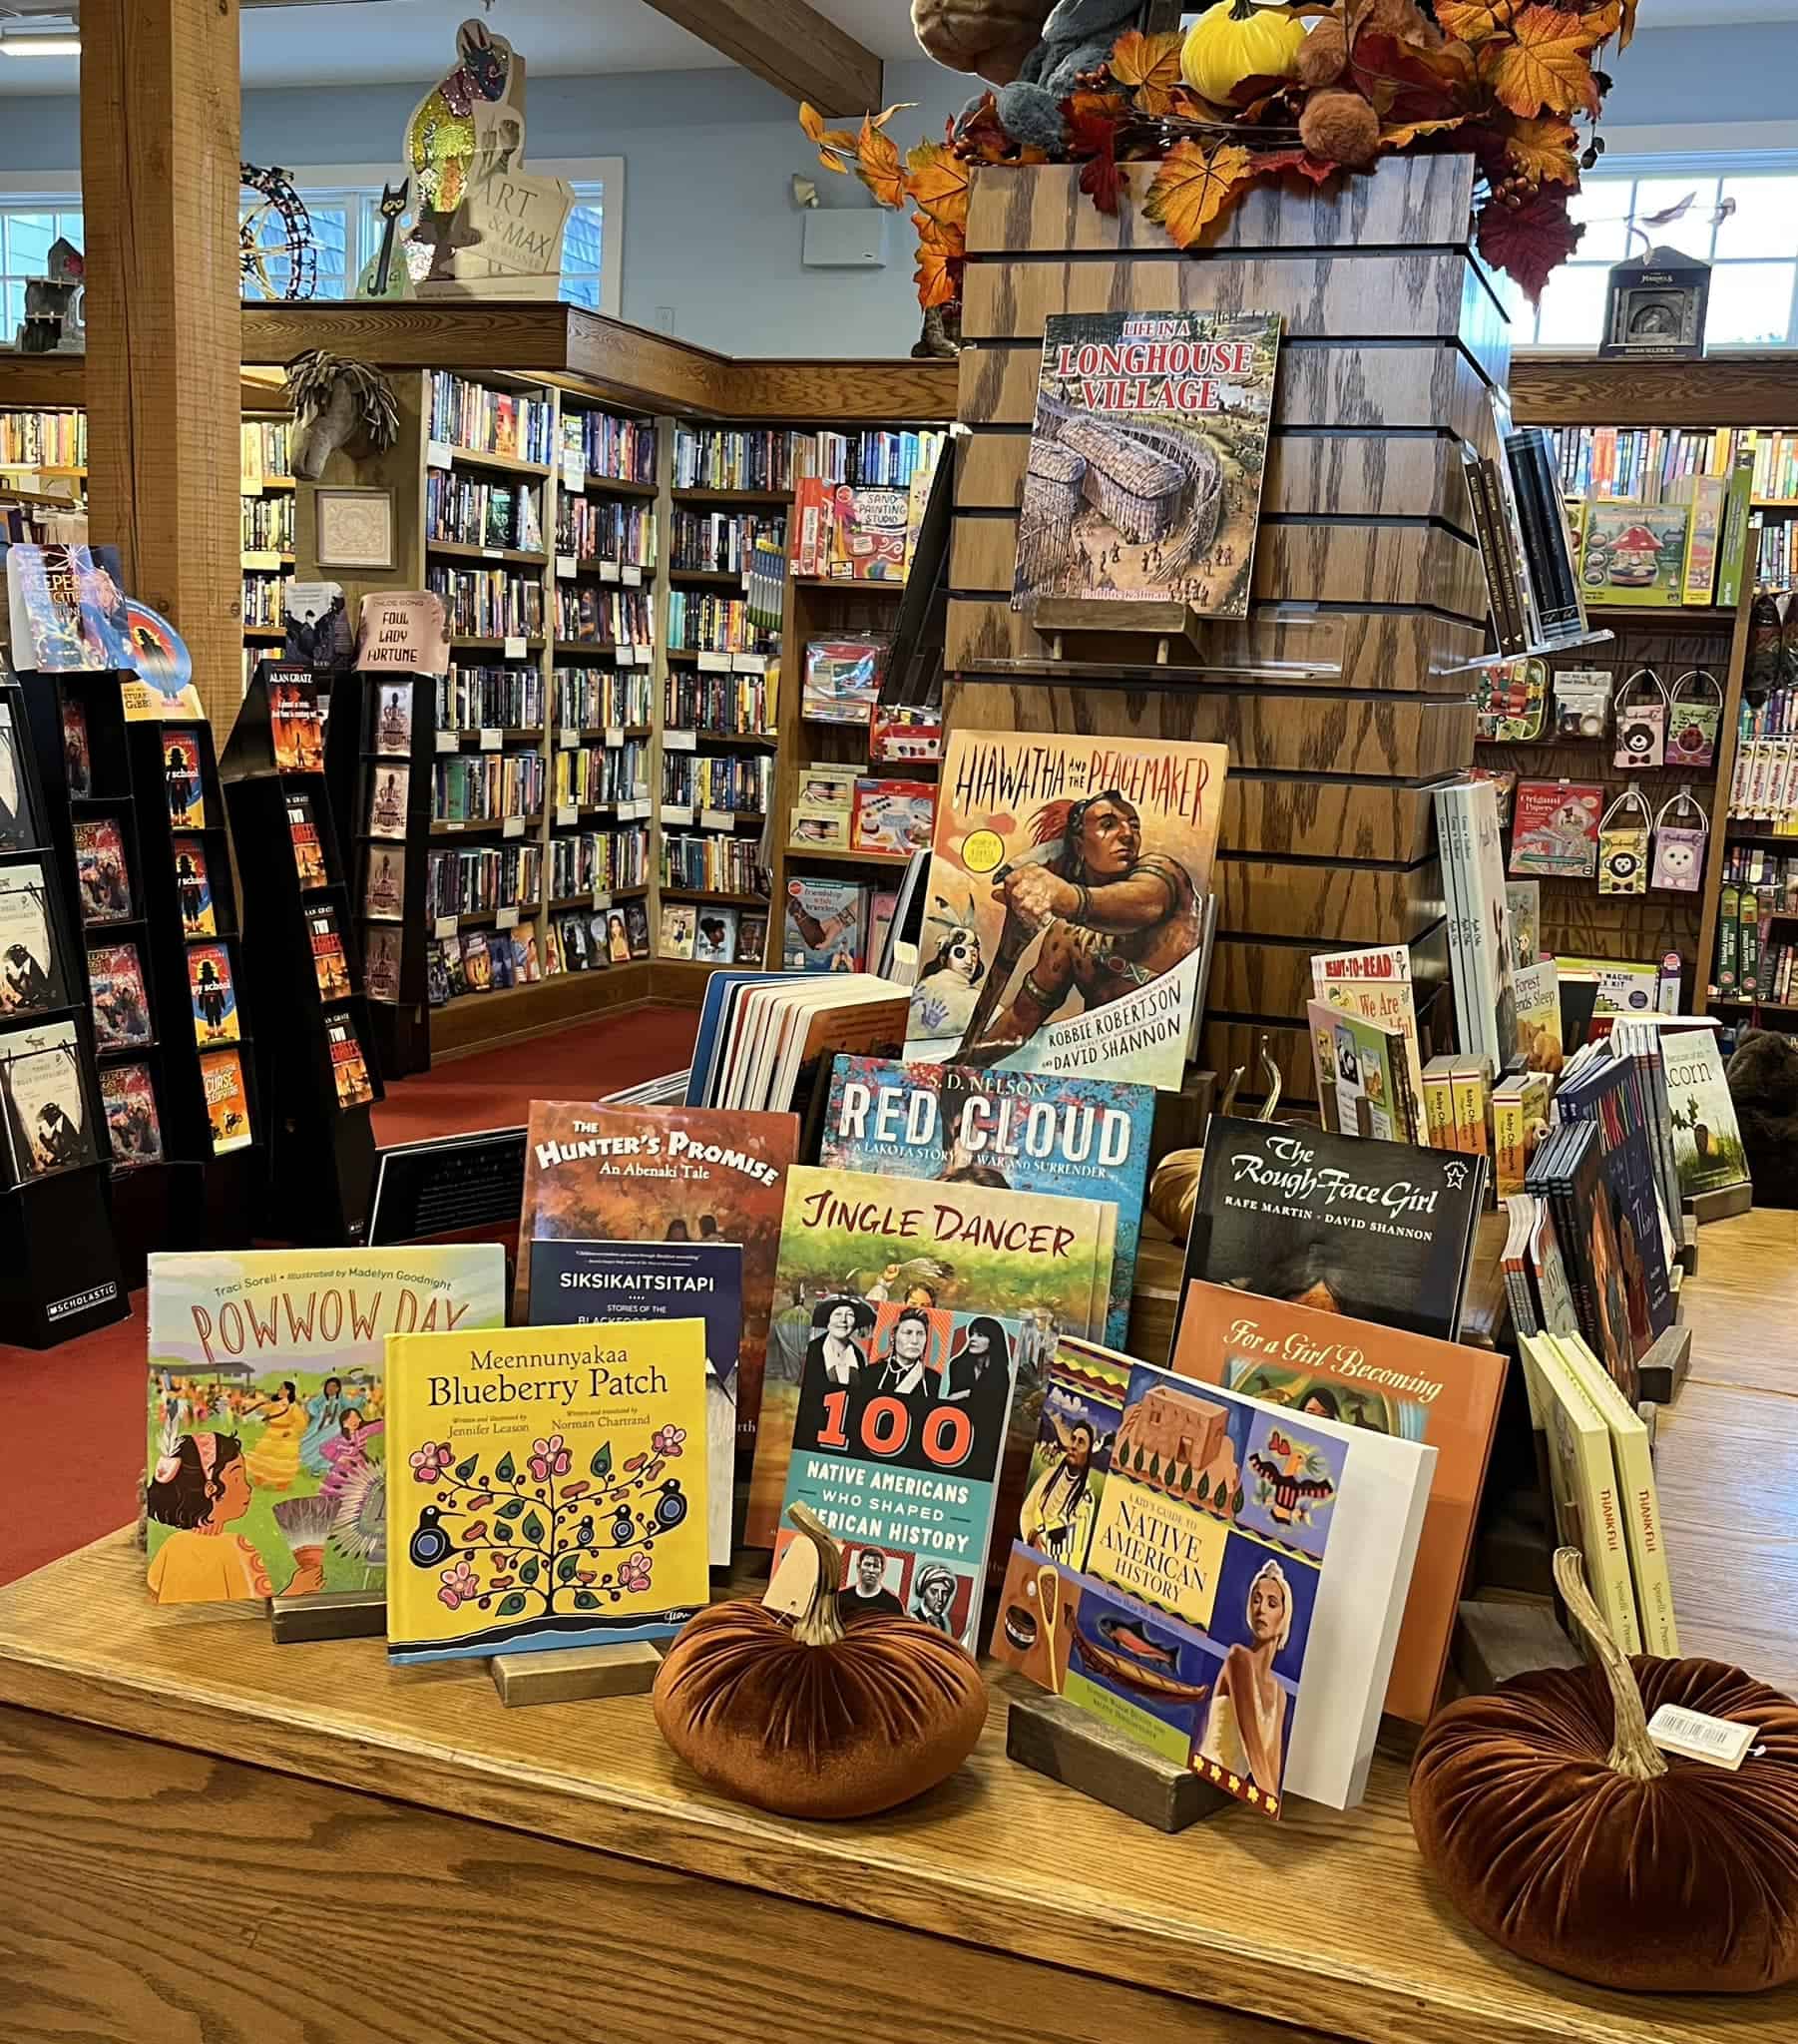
<point x="1076" y="36"/>
<point x="1763" y="1083"/>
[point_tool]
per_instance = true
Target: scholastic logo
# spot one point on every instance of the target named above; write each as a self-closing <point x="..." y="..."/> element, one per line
<point x="78" y="1301"/>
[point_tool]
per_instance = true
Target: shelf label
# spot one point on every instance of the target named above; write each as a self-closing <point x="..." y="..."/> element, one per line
<point x="608" y="571"/>
<point x="750" y="662"/>
<point x="492" y="552"/>
<point x="643" y="655"/>
<point x="512" y="826"/>
<point x="490" y="739"/>
<point x="444" y="926"/>
<point x="677" y="813"/>
<point x="574" y="469"/>
<point x="566" y="814"/>
<point x="447" y="740"/>
<point x="568" y="737"/>
<point x="601" y="897"/>
<point x="631" y="574"/>
<point x="436" y="454"/>
<point x="717" y="820"/>
<point x="261" y="557"/>
<point x="565" y="566"/>
<point x="615" y="734"/>
<point x="680" y="741"/>
<point x="641" y="790"/>
<point x="506" y="918"/>
<point x="715" y="662"/>
<point x="450" y="826"/>
<point x="515" y="649"/>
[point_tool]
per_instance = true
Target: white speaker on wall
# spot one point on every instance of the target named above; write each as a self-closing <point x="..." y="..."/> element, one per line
<point x="845" y="237"/>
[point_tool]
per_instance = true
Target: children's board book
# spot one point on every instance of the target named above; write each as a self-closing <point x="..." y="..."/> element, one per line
<point x="1084" y="1137"/>
<point x="1145" y="458"/>
<point x="1065" y="920"/>
<point x="897" y="1444"/>
<point x="1218" y="1577"/>
<point x="1387" y="1382"/>
<point x="867" y="1238"/>
<point x="549" y="1489"/>
<point x="267" y="1428"/>
<point x="1708" y="1141"/>
<point x="579" y="1283"/>
<point x="663" y="1174"/>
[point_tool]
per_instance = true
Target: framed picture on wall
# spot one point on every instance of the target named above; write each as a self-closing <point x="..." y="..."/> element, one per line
<point x="355" y="528"/>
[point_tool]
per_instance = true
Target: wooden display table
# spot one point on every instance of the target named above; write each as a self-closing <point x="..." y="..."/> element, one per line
<point x="214" y="1839"/>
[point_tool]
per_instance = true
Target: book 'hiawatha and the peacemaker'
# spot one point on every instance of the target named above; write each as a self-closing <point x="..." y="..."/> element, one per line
<point x="1065" y="925"/>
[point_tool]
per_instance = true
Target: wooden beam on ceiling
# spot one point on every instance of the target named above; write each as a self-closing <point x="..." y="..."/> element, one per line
<point x="788" y="45"/>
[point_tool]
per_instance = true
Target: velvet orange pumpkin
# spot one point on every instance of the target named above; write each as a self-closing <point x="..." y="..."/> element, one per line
<point x="1564" y="1833"/>
<point x="811" y="1716"/>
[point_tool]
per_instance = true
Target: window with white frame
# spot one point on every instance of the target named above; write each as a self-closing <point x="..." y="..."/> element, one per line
<point x="1752" y="250"/>
<point x="26" y="233"/>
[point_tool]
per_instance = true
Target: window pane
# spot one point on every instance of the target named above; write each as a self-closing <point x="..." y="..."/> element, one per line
<point x="1765" y="221"/>
<point x="1603" y="205"/>
<point x="1750" y="305"/>
<point x="582" y="241"/>
<point x="15" y="311"/>
<point x="70" y="224"/>
<point x="28" y="239"/>
<point x="581" y="290"/>
<point x="1690" y="233"/>
<point x="1573" y="307"/>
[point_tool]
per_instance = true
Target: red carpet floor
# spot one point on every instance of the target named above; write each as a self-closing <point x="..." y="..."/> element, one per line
<point x="74" y="1428"/>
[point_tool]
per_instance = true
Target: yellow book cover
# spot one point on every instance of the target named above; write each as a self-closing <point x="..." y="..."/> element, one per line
<point x="549" y="1487"/>
<point x="1439" y="1107"/>
<point x="1472" y="1077"/>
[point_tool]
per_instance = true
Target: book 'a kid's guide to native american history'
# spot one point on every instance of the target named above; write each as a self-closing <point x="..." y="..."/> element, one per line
<point x="1145" y="458"/>
<point x="553" y="1491"/>
<point x="1064" y="926"/>
<point x="267" y="1424"/>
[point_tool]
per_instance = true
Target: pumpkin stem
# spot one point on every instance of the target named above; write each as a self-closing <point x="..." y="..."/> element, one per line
<point x="1632" y="1752"/>
<point x="818" y="1623"/>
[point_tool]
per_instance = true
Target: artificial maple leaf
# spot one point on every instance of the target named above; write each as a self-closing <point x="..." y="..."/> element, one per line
<point x="1544" y="151"/>
<point x="1192" y="187"/>
<point x="1625" y="22"/>
<point x="1403" y="137"/>
<point x="938" y="182"/>
<point x="811" y="121"/>
<point x="1410" y="84"/>
<point x="1532" y="241"/>
<point x="1300" y="160"/>
<point x="938" y="275"/>
<point x="1543" y="68"/>
<point x="886" y="114"/>
<point x="1149" y="67"/>
<point x="878" y="166"/>
<point x="1475" y="21"/>
<point x="1084" y="105"/>
<point x="1092" y="142"/>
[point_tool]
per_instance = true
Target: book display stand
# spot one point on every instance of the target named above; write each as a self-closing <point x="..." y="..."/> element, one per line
<point x="60" y="1271"/>
<point x="317" y="1074"/>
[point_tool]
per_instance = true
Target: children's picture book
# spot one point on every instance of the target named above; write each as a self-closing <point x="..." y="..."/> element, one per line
<point x="387" y="797"/>
<point x="1633" y="553"/>
<point x="47" y="1123"/>
<point x="1067" y="890"/>
<point x="215" y="995"/>
<point x="384" y="894"/>
<point x="1359" y="1068"/>
<point x="1384" y="1381"/>
<point x="309" y="853"/>
<point x="1374" y="983"/>
<point x="1088" y="1138"/>
<point x="226" y="1101"/>
<point x="1554" y="827"/>
<point x="824" y="927"/>
<point x="1708" y="1141"/>
<point x="267" y="1424"/>
<point x="331" y="966"/>
<point x="383" y="954"/>
<point x="116" y="992"/>
<point x="133" y="1126"/>
<point x="664" y="1174"/>
<point x="751" y="937"/>
<point x="350" y="1068"/>
<point x="18" y="832"/>
<point x="574" y="1283"/>
<point x="1220" y="1577"/>
<point x="298" y="726"/>
<point x="193" y="889"/>
<point x="181" y="777"/>
<point x="164" y="682"/>
<point x="402" y="632"/>
<point x="715" y="935"/>
<point x="1538" y="1016"/>
<point x="1522" y="912"/>
<point x="1145" y="458"/>
<point x="557" y="1488"/>
<point x="637" y="930"/>
<point x="78" y="758"/>
<point x="31" y="974"/>
<point x="393" y="719"/>
<point x="678" y="930"/>
<point x="66" y="610"/>
<point x="1374" y="1230"/>
<point x="894" y="1400"/>
<point x="1037" y="1258"/>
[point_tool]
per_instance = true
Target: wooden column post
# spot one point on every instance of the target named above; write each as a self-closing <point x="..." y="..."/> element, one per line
<point x="160" y="165"/>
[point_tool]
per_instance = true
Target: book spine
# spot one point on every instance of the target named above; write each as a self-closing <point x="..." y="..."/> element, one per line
<point x="1459" y="968"/>
<point x="1552" y="580"/>
<point x="1734" y="553"/>
<point x="1495" y="556"/>
<point x="1439" y="1115"/>
<point x="1647" y="1553"/>
<point x="1602" y="1517"/>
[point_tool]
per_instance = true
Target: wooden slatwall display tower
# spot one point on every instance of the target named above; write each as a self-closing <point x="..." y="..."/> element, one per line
<point x="1341" y="706"/>
<point x="60" y="1272"/>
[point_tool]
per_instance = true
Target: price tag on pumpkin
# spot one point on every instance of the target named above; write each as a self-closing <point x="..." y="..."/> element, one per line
<point x="1696" y="1735"/>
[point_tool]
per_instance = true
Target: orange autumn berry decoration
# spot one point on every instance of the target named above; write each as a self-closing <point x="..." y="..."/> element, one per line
<point x="811" y="1716"/>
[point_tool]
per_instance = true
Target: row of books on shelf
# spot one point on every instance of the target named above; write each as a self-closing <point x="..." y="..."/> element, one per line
<point x="487" y="961"/>
<point x="265" y="452"/>
<point x="1769" y="971"/>
<point x="721" y="541"/>
<point x="477" y="882"/>
<point x="838" y="809"/>
<point x="484" y="786"/>
<point x="735" y="459"/>
<point x="592" y="529"/>
<point x="487" y="421"/>
<point x="713" y="863"/>
<point x="606" y="862"/>
<point x="739" y="703"/>
<point x="1763" y="791"/>
<point x="1751" y="961"/>
<point x="726" y="781"/>
<point x="607" y="445"/>
<point x="43" y="439"/>
<point x="603" y="699"/>
<point x="604" y="615"/>
<point x="877" y="458"/>
<point x="1645" y="463"/>
<point x="487" y="602"/>
<point x="1775" y="557"/>
<point x="1533" y="588"/>
<point x="590" y="775"/>
<point x="698" y="622"/>
<point x="467" y="511"/>
<point x="712" y="933"/>
<point x="264" y="600"/>
<point x="473" y="699"/>
<point x="267" y="524"/>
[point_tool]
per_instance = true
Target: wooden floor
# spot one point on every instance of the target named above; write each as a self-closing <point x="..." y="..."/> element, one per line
<point x="225" y="1841"/>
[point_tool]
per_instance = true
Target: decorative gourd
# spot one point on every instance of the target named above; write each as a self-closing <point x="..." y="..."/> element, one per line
<point x="812" y="1717"/>
<point x="1564" y="1833"/>
<point x="1236" y="40"/>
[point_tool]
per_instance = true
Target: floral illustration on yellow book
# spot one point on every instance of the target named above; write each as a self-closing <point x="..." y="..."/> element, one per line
<point x="539" y="1539"/>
